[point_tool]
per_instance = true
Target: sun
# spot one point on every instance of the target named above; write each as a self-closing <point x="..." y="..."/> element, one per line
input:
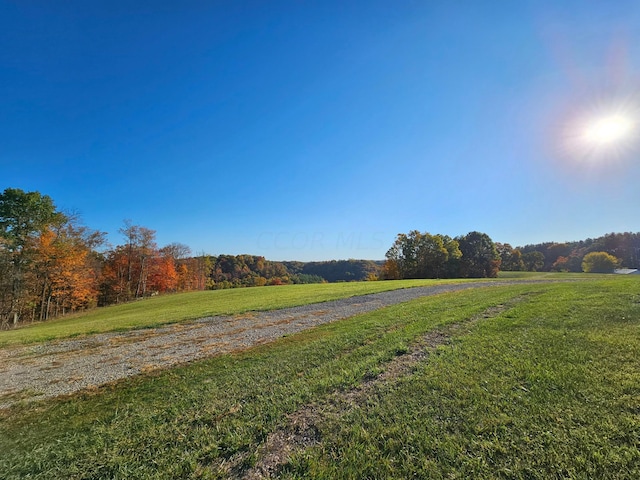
<point x="608" y="129"/>
<point x="602" y="133"/>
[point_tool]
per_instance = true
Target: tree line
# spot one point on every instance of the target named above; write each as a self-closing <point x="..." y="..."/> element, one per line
<point x="51" y="265"/>
<point x="230" y="271"/>
<point x="423" y="255"/>
<point x="623" y="250"/>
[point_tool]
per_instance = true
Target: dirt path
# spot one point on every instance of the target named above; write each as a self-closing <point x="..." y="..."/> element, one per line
<point x="302" y="427"/>
<point x="61" y="367"/>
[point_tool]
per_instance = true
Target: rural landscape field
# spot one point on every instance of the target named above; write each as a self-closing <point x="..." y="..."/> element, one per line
<point x="319" y="240"/>
<point x="521" y="380"/>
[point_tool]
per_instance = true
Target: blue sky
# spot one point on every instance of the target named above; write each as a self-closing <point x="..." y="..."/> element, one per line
<point x="319" y="130"/>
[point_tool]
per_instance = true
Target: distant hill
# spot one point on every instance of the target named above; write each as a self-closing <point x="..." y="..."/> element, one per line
<point x="229" y="271"/>
<point x="338" y="270"/>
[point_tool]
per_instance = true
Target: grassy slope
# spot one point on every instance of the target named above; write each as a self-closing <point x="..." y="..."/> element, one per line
<point x="188" y="306"/>
<point x="546" y="389"/>
<point x="182" y="307"/>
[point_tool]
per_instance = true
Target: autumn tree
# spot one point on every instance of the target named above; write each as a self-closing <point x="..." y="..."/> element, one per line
<point x="174" y="269"/>
<point x="560" y="265"/>
<point x="163" y="276"/>
<point x="230" y="271"/>
<point x="128" y="267"/>
<point x="65" y="269"/>
<point x="390" y="270"/>
<point x="195" y="272"/>
<point x="23" y="217"/>
<point x="114" y="287"/>
<point x="599" y="262"/>
<point x="177" y="251"/>
<point x="553" y="252"/>
<point x="140" y="249"/>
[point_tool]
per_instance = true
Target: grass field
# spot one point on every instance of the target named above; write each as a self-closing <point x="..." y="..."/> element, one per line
<point x="525" y="381"/>
<point x="152" y="312"/>
<point x="181" y="307"/>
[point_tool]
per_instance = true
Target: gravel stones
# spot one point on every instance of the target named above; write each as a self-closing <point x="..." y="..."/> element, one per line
<point x="61" y="367"/>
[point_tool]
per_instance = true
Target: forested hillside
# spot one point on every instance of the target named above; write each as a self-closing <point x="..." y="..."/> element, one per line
<point x="229" y="271"/>
<point x="337" y="270"/>
<point x="568" y="256"/>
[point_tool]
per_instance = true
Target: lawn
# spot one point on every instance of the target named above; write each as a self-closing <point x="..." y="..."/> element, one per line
<point x="182" y="307"/>
<point x="155" y="311"/>
<point x="521" y="381"/>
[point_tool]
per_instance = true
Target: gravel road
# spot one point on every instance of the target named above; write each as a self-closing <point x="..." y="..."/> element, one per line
<point x="65" y="366"/>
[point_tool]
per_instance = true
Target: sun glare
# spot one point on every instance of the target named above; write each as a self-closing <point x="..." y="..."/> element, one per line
<point x="609" y="129"/>
<point x="602" y="133"/>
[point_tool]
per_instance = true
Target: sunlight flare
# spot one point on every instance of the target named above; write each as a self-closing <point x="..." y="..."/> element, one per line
<point x="609" y="129"/>
<point x="603" y="133"/>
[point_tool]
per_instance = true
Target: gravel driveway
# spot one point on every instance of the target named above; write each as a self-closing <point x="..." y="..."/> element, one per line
<point x="66" y="366"/>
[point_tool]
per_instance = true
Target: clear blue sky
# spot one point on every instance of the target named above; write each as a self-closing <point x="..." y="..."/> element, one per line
<point x="314" y="130"/>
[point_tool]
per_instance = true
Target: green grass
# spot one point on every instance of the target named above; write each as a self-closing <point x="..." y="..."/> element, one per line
<point x="181" y="307"/>
<point x="152" y="312"/>
<point x="550" y="276"/>
<point x="549" y="388"/>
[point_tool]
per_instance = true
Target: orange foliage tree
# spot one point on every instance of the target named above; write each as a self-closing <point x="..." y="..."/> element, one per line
<point x="65" y="271"/>
<point x="163" y="276"/>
